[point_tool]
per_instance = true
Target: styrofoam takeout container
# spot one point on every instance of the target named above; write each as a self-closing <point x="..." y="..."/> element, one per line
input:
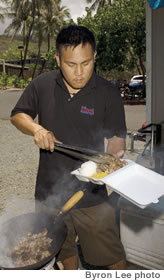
<point x="83" y="178"/>
<point x="134" y="182"/>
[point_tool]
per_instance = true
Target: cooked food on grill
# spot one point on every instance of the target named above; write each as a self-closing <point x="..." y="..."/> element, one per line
<point x="100" y="170"/>
<point x="33" y="248"/>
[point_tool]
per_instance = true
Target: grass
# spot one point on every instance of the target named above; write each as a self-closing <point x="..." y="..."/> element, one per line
<point x="7" y="43"/>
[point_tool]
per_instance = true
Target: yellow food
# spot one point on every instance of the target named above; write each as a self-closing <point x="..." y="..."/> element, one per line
<point x="72" y="201"/>
<point x="100" y="175"/>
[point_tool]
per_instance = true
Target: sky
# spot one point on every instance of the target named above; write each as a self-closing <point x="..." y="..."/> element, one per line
<point x="76" y="8"/>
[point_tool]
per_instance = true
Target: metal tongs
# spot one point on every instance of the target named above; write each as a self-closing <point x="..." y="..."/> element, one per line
<point x="83" y="154"/>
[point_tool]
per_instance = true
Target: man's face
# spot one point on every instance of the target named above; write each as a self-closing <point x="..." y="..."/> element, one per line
<point x="77" y="66"/>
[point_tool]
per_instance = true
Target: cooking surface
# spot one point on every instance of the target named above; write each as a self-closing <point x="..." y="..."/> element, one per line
<point x="18" y="227"/>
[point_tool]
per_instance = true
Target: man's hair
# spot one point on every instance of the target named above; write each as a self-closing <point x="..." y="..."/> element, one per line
<point x="74" y="35"/>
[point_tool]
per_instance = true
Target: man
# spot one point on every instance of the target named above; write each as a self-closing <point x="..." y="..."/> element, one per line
<point x="77" y="107"/>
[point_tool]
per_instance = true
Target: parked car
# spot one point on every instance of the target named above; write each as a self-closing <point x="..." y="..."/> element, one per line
<point x="136" y="84"/>
<point x="137" y="79"/>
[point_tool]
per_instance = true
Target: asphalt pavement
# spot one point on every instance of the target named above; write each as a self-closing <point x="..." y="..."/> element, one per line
<point x="8" y="99"/>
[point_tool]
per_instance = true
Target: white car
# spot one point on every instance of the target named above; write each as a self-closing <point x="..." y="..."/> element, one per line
<point x="137" y="79"/>
<point x="136" y="84"/>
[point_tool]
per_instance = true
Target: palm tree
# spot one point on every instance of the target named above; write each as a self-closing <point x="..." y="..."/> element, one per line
<point x="53" y="16"/>
<point x="38" y="32"/>
<point x="3" y="10"/>
<point x="46" y="16"/>
<point x="1" y="16"/>
<point x="97" y="4"/>
<point x="49" y="19"/>
<point x="22" y="13"/>
<point x="19" y="12"/>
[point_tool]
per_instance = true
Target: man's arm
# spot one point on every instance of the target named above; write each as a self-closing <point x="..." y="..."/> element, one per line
<point x="116" y="146"/>
<point x="43" y="138"/>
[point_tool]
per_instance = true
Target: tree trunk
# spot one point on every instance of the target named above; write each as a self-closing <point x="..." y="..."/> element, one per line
<point x="139" y="70"/>
<point x="24" y="33"/>
<point x="28" y="40"/>
<point x="48" y="39"/>
<point x="39" y="39"/>
<point x="41" y="70"/>
<point x="38" y="56"/>
<point x="143" y="73"/>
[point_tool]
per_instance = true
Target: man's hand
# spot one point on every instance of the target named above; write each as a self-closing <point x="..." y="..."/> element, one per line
<point x="116" y="146"/>
<point x="45" y="139"/>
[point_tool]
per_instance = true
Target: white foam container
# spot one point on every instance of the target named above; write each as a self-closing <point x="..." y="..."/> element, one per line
<point x="134" y="182"/>
<point x="91" y="179"/>
<point x="86" y="178"/>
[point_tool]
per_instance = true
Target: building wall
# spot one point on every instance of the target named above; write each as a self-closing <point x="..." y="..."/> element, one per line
<point x="155" y="66"/>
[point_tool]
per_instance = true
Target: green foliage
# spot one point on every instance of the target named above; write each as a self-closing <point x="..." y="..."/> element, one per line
<point x="50" y="59"/>
<point x="119" y="30"/>
<point x="13" y="81"/>
<point x="33" y="66"/>
<point x="120" y="34"/>
<point x="11" y="54"/>
<point x="3" y="79"/>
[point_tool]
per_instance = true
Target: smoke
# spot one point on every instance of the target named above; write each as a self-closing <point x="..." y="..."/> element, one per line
<point x="153" y="160"/>
<point x="16" y="206"/>
<point x="13" y="230"/>
<point x="12" y="208"/>
<point x="62" y="190"/>
<point x="158" y="155"/>
<point x="5" y="259"/>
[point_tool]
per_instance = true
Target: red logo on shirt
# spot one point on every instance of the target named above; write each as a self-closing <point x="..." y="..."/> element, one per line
<point x="85" y="110"/>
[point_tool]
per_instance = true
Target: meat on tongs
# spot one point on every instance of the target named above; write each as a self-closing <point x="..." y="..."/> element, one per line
<point x="85" y="154"/>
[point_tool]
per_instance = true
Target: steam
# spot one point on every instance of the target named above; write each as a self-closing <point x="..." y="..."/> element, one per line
<point x="13" y="207"/>
<point x="20" y="206"/>
<point x="158" y="155"/>
<point x="5" y="259"/>
<point x="68" y="185"/>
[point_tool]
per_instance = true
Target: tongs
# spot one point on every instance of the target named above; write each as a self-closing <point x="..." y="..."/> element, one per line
<point x="82" y="153"/>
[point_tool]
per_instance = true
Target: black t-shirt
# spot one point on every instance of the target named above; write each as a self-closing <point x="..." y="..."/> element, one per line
<point x="95" y="112"/>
